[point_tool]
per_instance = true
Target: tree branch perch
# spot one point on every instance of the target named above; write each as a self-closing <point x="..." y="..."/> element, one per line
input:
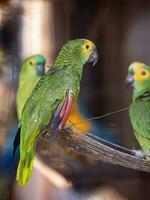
<point x="100" y="152"/>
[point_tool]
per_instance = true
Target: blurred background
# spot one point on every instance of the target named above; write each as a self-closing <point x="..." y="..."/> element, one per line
<point x="120" y="30"/>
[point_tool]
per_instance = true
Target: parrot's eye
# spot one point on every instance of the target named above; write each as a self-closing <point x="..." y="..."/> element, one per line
<point x="143" y="73"/>
<point x="31" y="63"/>
<point x="87" y="47"/>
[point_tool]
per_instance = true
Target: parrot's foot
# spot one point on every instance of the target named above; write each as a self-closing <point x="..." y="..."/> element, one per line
<point x="141" y="153"/>
<point x="138" y="153"/>
<point x="44" y="135"/>
<point x="45" y="129"/>
<point x="68" y="126"/>
<point x="48" y="137"/>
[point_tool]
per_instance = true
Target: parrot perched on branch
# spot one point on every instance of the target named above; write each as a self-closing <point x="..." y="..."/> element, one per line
<point x="31" y="71"/>
<point x="51" y="100"/>
<point x="139" y="111"/>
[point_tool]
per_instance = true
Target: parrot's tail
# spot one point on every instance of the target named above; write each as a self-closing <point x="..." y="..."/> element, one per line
<point x="25" y="167"/>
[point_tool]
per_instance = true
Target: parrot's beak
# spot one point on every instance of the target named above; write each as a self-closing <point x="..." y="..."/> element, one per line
<point x="40" y="69"/>
<point x="129" y="79"/>
<point x="93" y="57"/>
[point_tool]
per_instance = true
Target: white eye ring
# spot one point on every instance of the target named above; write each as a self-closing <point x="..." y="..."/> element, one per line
<point x="87" y="47"/>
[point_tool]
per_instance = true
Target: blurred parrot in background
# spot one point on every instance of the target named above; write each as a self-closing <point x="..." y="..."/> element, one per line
<point x="31" y="71"/>
<point x="50" y="103"/>
<point x="139" y="111"/>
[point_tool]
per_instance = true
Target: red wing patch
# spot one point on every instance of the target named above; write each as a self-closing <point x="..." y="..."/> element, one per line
<point x="62" y="112"/>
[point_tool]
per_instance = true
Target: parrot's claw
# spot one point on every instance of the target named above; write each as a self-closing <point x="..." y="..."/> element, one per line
<point x="68" y="126"/>
<point x="45" y="129"/>
<point x="138" y="153"/>
<point x="44" y="132"/>
<point x="141" y="153"/>
<point x="44" y="136"/>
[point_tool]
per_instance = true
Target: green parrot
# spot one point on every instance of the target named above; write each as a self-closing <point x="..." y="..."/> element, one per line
<point x="51" y="100"/>
<point x="31" y="71"/>
<point x="139" y="111"/>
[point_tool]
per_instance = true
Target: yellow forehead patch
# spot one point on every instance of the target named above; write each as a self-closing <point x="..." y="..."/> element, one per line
<point x="89" y="44"/>
<point x="140" y="72"/>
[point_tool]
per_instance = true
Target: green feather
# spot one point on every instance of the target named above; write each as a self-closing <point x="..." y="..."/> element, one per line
<point x="25" y="166"/>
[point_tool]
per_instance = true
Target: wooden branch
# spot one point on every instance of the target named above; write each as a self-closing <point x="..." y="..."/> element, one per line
<point x="100" y="152"/>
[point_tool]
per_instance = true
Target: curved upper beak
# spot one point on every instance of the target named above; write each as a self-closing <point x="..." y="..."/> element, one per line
<point x="129" y="79"/>
<point x="93" y="57"/>
<point x="40" y="69"/>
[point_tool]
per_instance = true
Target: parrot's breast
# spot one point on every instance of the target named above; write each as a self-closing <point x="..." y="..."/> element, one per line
<point x="139" y="113"/>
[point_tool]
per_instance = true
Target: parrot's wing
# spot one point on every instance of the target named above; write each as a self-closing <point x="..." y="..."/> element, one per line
<point x="55" y="124"/>
<point x="62" y="112"/>
<point x="52" y="70"/>
<point x="49" y="73"/>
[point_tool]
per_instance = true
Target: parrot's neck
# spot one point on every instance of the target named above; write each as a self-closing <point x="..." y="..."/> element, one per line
<point x="23" y="78"/>
<point x="67" y="57"/>
<point x="141" y="95"/>
<point x="66" y="61"/>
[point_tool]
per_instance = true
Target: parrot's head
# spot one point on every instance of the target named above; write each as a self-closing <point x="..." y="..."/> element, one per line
<point x="80" y="51"/>
<point x="139" y="77"/>
<point x="35" y="65"/>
